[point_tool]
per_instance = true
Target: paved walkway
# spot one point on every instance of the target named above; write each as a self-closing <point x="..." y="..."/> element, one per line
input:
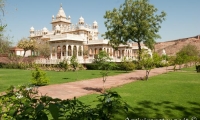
<point x="81" y="88"/>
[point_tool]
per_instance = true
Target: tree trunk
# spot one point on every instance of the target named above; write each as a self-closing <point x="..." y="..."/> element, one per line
<point x="24" y="53"/>
<point x="147" y="74"/>
<point x="140" y="51"/>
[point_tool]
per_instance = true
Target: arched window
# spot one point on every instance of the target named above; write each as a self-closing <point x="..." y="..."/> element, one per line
<point x="107" y="50"/>
<point x="95" y="51"/>
<point x="58" y="52"/>
<point x="64" y="50"/>
<point x="75" y="51"/>
<point x="90" y="52"/>
<point x="79" y="51"/>
<point x="69" y="50"/>
<point x="53" y="51"/>
<point x="128" y="53"/>
<point x="122" y="53"/>
<point x="100" y="49"/>
<point x="119" y="53"/>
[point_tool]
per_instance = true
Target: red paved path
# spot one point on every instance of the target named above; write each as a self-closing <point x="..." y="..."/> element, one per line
<point x="80" y="88"/>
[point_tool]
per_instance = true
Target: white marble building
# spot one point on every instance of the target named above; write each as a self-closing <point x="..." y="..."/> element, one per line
<point x="67" y="39"/>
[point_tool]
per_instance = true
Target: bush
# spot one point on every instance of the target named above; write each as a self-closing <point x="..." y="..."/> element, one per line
<point x="92" y="66"/>
<point x="64" y="65"/>
<point x="39" y="77"/>
<point x="2" y="65"/>
<point x="23" y="103"/>
<point x="127" y="66"/>
<point x="198" y="68"/>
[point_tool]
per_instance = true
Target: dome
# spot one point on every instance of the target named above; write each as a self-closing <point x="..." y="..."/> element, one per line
<point x="69" y="17"/>
<point x="57" y="27"/>
<point x="32" y="29"/>
<point x="81" y="20"/>
<point x="95" y="23"/>
<point x="61" y="13"/>
<point x="44" y="29"/>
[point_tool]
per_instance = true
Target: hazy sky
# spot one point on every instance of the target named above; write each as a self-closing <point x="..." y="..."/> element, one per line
<point x="182" y="20"/>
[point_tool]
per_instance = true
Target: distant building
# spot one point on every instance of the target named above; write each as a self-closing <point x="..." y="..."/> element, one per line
<point x="20" y="52"/>
<point x="67" y="39"/>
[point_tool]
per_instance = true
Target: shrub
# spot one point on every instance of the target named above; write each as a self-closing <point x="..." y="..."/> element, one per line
<point x="127" y="66"/>
<point x="92" y="66"/>
<point x="64" y="65"/>
<point x="198" y="68"/>
<point x="39" y="77"/>
<point x="23" y="103"/>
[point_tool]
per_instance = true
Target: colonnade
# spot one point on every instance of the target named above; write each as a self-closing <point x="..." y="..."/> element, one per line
<point x="65" y="51"/>
<point x="120" y="53"/>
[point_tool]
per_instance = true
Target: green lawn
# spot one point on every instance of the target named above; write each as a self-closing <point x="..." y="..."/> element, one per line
<point x="173" y="95"/>
<point x="17" y="77"/>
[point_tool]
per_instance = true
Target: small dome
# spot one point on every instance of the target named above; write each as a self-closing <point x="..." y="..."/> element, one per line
<point x="81" y="20"/>
<point x="69" y="17"/>
<point x="32" y="28"/>
<point x="95" y="23"/>
<point x="57" y="27"/>
<point x="44" y="29"/>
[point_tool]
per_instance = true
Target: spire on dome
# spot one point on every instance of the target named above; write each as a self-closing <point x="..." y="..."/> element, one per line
<point x="61" y="12"/>
<point x="81" y="20"/>
<point x="95" y="24"/>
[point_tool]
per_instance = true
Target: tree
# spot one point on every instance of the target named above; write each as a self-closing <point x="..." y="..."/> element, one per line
<point x="135" y="20"/>
<point x="27" y="44"/>
<point x="5" y="44"/>
<point x="103" y="62"/>
<point x="188" y="53"/>
<point x="147" y="63"/>
<point x="43" y="49"/>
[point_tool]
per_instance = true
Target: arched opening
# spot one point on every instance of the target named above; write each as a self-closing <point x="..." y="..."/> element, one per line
<point x="53" y="51"/>
<point x="90" y="51"/>
<point x="64" y="50"/>
<point x="95" y="51"/>
<point x="69" y="50"/>
<point x="100" y="49"/>
<point x="119" y="54"/>
<point x="75" y="51"/>
<point x="58" y="52"/>
<point x="128" y="53"/>
<point x="111" y="52"/>
<point x="79" y="51"/>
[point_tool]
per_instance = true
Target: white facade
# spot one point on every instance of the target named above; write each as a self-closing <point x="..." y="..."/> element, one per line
<point x="67" y="39"/>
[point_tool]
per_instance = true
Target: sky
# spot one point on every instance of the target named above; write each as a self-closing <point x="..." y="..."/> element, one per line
<point x="182" y="20"/>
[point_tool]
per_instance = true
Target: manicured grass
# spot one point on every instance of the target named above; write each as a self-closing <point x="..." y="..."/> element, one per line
<point x="173" y="95"/>
<point x="18" y="77"/>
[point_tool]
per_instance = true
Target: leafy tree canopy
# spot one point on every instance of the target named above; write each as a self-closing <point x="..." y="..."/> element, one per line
<point x="27" y="44"/>
<point x="136" y="21"/>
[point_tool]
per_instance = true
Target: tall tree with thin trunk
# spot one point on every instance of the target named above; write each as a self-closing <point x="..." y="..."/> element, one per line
<point x="5" y="43"/>
<point x="136" y="21"/>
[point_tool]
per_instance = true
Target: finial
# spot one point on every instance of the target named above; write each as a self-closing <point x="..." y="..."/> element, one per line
<point x="60" y="4"/>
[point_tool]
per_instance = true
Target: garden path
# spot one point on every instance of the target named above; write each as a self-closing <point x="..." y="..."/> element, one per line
<point x="81" y="88"/>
